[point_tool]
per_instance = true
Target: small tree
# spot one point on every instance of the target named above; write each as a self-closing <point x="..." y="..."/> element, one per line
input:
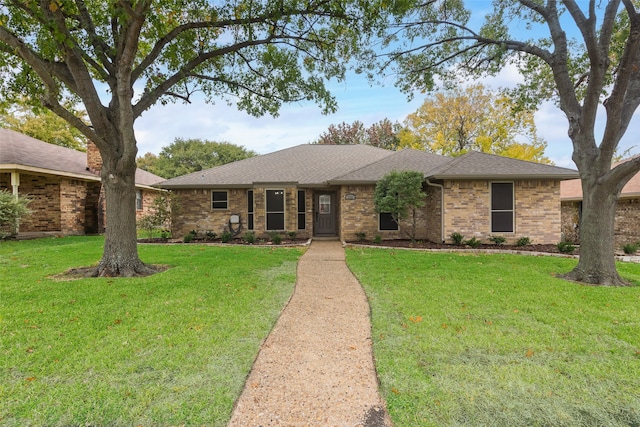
<point x="159" y="216"/>
<point x="12" y="210"/>
<point x="400" y="193"/>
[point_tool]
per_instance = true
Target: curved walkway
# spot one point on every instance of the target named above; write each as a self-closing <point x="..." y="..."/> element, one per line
<point x="316" y="366"/>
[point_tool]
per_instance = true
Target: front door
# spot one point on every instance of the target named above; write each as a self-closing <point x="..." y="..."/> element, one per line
<point x="324" y="214"/>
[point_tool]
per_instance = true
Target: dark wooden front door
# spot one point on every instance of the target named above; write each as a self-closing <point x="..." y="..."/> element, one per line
<point x="324" y="223"/>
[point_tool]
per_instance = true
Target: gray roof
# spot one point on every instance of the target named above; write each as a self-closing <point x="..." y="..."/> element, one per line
<point x="320" y="165"/>
<point x="22" y="152"/>
<point x="476" y="165"/>
<point x="305" y="165"/>
<point x="407" y="159"/>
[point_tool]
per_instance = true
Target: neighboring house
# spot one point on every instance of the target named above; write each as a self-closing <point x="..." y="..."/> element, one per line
<point x="327" y="190"/>
<point x="63" y="184"/>
<point x="627" y="222"/>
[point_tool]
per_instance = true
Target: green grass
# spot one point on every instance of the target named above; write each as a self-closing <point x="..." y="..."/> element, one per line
<point x="498" y="340"/>
<point x="170" y="349"/>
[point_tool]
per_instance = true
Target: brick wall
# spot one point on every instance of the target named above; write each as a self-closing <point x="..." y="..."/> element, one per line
<point x="45" y="203"/>
<point x="196" y="212"/>
<point x="73" y="197"/>
<point x="627" y="225"/>
<point x="94" y="159"/>
<point x="537" y="210"/>
<point x="627" y="222"/>
<point x="359" y="216"/>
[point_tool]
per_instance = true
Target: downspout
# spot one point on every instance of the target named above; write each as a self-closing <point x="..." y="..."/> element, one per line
<point x="433" y="184"/>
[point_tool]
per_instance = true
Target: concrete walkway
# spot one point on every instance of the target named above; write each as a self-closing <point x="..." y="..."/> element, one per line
<point x="316" y="367"/>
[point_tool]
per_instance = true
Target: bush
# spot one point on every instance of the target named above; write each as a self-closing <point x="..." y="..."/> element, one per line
<point x="190" y="236"/>
<point x="292" y="235"/>
<point x="498" y="240"/>
<point x="473" y="242"/>
<point x="378" y="239"/>
<point x="630" y="248"/>
<point x="211" y="235"/>
<point x="249" y="237"/>
<point x="276" y="238"/>
<point x="457" y="238"/>
<point x="566" y="247"/>
<point x="523" y="241"/>
<point x="226" y="236"/>
<point x="361" y="236"/>
<point x="12" y="210"/>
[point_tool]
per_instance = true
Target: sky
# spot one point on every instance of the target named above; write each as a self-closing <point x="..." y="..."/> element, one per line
<point x="301" y="123"/>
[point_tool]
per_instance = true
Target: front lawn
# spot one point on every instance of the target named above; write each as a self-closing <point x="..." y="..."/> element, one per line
<point x="497" y="340"/>
<point x="170" y="349"/>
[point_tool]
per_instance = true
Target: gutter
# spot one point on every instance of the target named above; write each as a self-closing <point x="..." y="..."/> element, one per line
<point x="433" y="184"/>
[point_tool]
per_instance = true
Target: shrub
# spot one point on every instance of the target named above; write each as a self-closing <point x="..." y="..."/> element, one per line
<point x="276" y="238"/>
<point x="292" y="235"/>
<point x="12" y="210"/>
<point x="211" y="235"/>
<point x="226" y="236"/>
<point x="457" y="238"/>
<point x="361" y="235"/>
<point x="190" y="236"/>
<point x="630" y="248"/>
<point x="378" y="239"/>
<point x="566" y="247"/>
<point x="249" y="237"/>
<point x="473" y="242"/>
<point x="523" y="241"/>
<point x="498" y="240"/>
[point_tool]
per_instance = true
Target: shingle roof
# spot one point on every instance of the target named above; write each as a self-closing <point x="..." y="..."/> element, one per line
<point x="25" y="152"/>
<point x="306" y="165"/>
<point x="319" y="165"/>
<point x="572" y="189"/>
<point x="407" y="159"/>
<point x="476" y="165"/>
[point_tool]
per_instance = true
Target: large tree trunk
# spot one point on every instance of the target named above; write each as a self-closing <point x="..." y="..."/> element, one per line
<point x="597" y="259"/>
<point x="120" y="256"/>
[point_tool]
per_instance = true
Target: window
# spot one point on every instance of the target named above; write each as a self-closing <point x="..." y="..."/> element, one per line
<point x="139" y="200"/>
<point x="302" y="207"/>
<point x="386" y="222"/>
<point x="275" y="210"/>
<point x="219" y="200"/>
<point x="250" y="209"/>
<point x="502" y="207"/>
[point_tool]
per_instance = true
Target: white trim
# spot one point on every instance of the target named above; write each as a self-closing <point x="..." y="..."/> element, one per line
<point x="220" y="209"/>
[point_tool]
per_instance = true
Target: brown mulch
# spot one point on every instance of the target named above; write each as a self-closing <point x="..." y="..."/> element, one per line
<point x="443" y="246"/>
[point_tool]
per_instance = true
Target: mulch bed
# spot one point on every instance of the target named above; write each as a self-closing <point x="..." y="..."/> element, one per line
<point x="431" y="245"/>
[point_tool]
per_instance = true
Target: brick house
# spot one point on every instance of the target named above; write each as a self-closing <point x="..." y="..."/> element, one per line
<point x="327" y="190"/>
<point x="64" y="185"/>
<point x="627" y="222"/>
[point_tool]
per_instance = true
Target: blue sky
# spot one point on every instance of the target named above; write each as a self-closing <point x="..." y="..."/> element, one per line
<point x="303" y="122"/>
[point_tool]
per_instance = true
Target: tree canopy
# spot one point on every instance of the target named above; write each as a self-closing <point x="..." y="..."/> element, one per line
<point x="120" y="58"/>
<point x="43" y="125"/>
<point x="473" y="118"/>
<point x="585" y="55"/>
<point x="381" y="134"/>
<point x="400" y="194"/>
<point x="184" y="156"/>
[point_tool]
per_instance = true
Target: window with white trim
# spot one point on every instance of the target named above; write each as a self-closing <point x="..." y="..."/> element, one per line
<point x="275" y="210"/>
<point x="219" y="200"/>
<point x="502" y="211"/>
<point x="139" y="200"/>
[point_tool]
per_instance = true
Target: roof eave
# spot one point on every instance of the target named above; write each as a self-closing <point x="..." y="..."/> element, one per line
<point x="33" y="169"/>
<point x="500" y="177"/>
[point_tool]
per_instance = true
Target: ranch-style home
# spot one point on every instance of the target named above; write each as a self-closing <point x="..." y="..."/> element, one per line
<point x="327" y="191"/>
<point x="627" y="222"/>
<point x="63" y="185"/>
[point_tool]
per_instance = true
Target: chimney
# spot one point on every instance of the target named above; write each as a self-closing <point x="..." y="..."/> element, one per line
<point x="94" y="159"/>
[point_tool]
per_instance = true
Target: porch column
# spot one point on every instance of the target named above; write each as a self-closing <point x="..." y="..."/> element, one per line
<point x="15" y="182"/>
